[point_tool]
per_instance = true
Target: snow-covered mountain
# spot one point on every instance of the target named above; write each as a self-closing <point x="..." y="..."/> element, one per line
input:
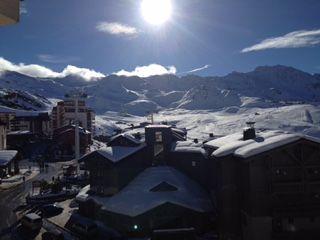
<point x="266" y="86"/>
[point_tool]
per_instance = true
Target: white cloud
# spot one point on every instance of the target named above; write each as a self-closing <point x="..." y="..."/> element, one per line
<point x="34" y="70"/>
<point x="56" y="59"/>
<point x="295" y="39"/>
<point x="116" y="28"/>
<point x="199" y="69"/>
<point x="147" y="71"/>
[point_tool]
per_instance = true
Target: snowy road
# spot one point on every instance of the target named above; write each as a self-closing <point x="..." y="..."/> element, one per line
<point x="12" y="198"/>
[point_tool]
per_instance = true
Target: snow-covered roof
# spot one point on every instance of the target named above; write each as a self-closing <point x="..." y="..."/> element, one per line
<point x="127" y="136"/>
<point x="6" y="156"/>
<point x="187" y="146"/>
<point x="158" y="126"/>
<point x="117" y="153"/>
<point x="219" y="142"/>
<point x="264" y="141"/>
<point x="137" y="198"/>
<point x="21" y="132"/>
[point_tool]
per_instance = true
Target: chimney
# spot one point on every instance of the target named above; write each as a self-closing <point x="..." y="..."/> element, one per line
<point x="137" y="135"/>
<point x="249" y="132"/>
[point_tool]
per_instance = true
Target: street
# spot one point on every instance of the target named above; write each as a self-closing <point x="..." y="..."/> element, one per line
<point x="13" y="198"/>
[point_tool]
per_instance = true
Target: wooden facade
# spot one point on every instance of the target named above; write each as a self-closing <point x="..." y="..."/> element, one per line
<point x="108" y="177"/>
<point x="271" y="195"/>
<point x="165" y="216"/>
<point x="195" y="164"/>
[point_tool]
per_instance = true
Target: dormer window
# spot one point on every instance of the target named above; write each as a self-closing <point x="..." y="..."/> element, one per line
<point x="164" y="187"/>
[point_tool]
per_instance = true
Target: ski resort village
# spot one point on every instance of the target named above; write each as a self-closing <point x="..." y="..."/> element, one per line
<point x="226" y="151"/>
<point x="125" y="176"/>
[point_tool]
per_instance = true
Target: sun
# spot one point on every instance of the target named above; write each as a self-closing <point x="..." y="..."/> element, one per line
<point x="156" y="12"/>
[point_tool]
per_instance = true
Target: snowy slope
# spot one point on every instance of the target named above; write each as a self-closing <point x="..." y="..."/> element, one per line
<point x="263" y="87"/>
<point x="301" y="118"/>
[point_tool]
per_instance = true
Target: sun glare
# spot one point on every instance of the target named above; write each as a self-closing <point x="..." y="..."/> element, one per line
<point x="156" y="12"/>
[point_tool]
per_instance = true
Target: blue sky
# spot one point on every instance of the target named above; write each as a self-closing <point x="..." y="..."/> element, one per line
<point x="207" y="37"/>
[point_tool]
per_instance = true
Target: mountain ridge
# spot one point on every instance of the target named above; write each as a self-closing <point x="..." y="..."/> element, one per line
<point x="262" y="87"/>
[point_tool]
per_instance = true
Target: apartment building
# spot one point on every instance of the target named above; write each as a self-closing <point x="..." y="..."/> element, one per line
<point x="65" y="114"/>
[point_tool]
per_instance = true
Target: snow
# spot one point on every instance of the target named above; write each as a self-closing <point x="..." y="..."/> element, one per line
<point x="276" y="97"/>
<point x="6" y="156"/>
<point x="264" y="141"/>
<point x="117" y="153"/>
<point x="266" y="145"/>
<point x="136" y="198"/>
<point x="127" y="136"/>
<point x="187" y="146"/>
<point x="219" y="142"/>
<point x="224" y="148"/>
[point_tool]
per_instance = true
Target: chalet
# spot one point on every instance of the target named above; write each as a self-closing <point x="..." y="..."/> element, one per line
<point x="159" y="139"/>
<point x="64" y="139"/>
<point x="158" y="198"/>
<point x="191" y="159"/>
<point x="125" y="139"/>
<point x="113" y="167"/>
<point x="37" y="123"/>
<point x="8" y="163"/>
<point x="267" y="185"/>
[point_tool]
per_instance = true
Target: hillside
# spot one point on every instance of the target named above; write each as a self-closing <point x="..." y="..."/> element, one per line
<point x="267" y="86"/>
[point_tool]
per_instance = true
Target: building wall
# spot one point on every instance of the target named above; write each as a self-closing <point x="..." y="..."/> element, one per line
<point x="3" y="137"/>
<point x="228" y="197"/>
<point x="268" y="190"/>
<point x="158" y="146"/>
<point x="64" y="114"/>
<point x="108" y="178"/>
<point x="9" y="11"/>
<point x="166" y="216"/>
<point x="195" y="165"/>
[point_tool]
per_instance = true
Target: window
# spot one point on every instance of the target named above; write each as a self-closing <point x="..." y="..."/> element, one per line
<point x="158" y="137"/>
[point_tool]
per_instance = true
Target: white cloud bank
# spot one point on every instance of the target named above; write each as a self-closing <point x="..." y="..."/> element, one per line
<point x="295" y="39"/>
<point x="34" y="70"/>
<point x="199" y="69"/>
<point x="115" y="28"/>
<point x="147" y="71"/>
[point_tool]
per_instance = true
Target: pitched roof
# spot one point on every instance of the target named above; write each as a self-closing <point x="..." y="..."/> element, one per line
<point x="138" y="197"/>
<point x="187" y="146"/>
<point x="127" y="136"/>
<point x="117" y="153"/>
<point x="6" y="156"/>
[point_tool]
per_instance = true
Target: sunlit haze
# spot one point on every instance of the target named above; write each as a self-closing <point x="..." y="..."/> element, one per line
<point x="156" y="12"/>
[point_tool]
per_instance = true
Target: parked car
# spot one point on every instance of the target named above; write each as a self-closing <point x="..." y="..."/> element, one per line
<point x="31" y="221"/>
<point x="53" y="235"/>
<point x="50" y="210"/>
